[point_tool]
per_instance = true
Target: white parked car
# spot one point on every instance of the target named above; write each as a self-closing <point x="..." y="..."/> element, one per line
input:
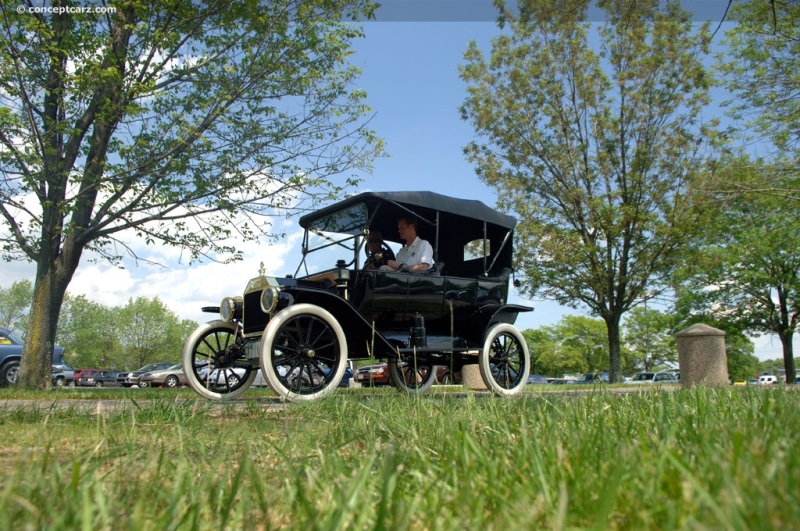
<point x="768" y="379"/>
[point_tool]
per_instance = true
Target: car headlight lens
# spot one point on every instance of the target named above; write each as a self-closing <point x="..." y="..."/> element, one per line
<point x="226" y="309"/>
<point x="269" y="299"/>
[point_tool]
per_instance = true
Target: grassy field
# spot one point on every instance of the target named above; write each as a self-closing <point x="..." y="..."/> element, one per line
<point x="700" y="458"/>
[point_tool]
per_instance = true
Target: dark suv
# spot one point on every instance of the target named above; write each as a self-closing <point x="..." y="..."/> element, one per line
<point x="333" y="308"/>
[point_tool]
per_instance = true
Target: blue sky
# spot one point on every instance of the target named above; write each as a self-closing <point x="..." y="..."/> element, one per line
<point x="410" y="74"/>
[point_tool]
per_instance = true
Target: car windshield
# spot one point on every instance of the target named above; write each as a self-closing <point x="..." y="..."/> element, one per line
<point x="334" y="237"/>
<point x="15" y="338"/>
<point x="152" y="367"/>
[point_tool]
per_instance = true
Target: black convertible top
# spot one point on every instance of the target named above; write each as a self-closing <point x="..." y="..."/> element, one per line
<point x="421" y="203"/>
<point x="448" y="223"/>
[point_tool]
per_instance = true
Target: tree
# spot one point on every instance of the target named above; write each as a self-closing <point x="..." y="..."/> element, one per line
<point x="650" y="338"/>
<point x="584" y="338"/>
<point x="15" y="304"/>
<point x="149" y="332"/>
<point x="751" y="261"/>
<point x="593" y="151"/>
<point x="89" y="333"/>
<point x="575" y="344"/>
<point x="188" y="123"/>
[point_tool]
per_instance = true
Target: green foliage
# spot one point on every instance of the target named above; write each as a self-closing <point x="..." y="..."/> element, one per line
<point x="15" y="303"/>
<point x="576" y="344"/>
<point x="191" y="124"/>
<point x="592" y="146"/>
<point x="149" y="332"/>
<point x="89" y="333"/>
<point x="704" y="458"/>
<point x="650" y="339"/>
<point x="762" y="69"/>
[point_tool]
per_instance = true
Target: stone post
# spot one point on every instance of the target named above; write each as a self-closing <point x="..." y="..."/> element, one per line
<point x="471" y="377"/>
<point x="701" y="356"/>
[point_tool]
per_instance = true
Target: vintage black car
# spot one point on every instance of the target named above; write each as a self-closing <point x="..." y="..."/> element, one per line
<point x="332" y="308"/>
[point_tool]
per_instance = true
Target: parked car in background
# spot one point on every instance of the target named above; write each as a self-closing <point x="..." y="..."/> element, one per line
<point x="373" y="375"/>
<point x="229" y="378"/>
<point x="537" y="379"/>
<point x="661" y="377"/>
<point x="99" y="379"/>
<point x="81" y="373"/>
<point x="591" y="378"/>
<point x="346" y="377"/>
<point x="11" y="353"/>
<point x="129" y="379"/>
<point x="171" y="377"/>
<point x="768" y="379"/>
<point x="63" y="375"/>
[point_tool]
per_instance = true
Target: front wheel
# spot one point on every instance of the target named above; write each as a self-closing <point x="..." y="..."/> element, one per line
<point x="214" y="362"/>
<point x="142" y="384"/>
<point x="504" y="361"/>
<point x="412" y="376"/>
<point x="303" y="353"/>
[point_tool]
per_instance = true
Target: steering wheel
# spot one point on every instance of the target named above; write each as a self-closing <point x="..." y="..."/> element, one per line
<point x="380" y="257"/>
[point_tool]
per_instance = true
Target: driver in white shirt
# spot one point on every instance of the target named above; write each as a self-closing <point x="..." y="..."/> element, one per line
<point x="416" y="254"/>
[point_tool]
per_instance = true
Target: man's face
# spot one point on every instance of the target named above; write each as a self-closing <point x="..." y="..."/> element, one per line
<point x="406" y="231"/>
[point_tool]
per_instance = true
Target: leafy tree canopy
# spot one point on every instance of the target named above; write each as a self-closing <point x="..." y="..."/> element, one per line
<point x="762" y="69"/>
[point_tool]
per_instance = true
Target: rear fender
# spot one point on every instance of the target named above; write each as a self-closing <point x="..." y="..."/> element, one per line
<point x="506" y="313"/>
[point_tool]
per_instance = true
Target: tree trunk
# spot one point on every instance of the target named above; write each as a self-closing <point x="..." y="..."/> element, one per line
<point x="614" y="356"/>
<point x="788" y="357"/>
<point x="52" y="279"/>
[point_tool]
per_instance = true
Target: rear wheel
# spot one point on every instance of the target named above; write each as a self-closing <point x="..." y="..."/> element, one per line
<point x="303" y="353"/>
<point x="98" y="384"/>
<point x="171" y="381"/>
<point x="412" y="375"/>
<point x="504" y="361"/>
<point x="214" y="362"/>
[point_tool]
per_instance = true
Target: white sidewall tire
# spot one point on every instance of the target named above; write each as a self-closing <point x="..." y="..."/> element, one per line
<point x="188" y="362"/>
<point x="270" y="332"/>
<point x="485" y="366"/>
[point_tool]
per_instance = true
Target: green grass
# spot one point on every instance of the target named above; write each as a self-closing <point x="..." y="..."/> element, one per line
<point x="700" y="458"/>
